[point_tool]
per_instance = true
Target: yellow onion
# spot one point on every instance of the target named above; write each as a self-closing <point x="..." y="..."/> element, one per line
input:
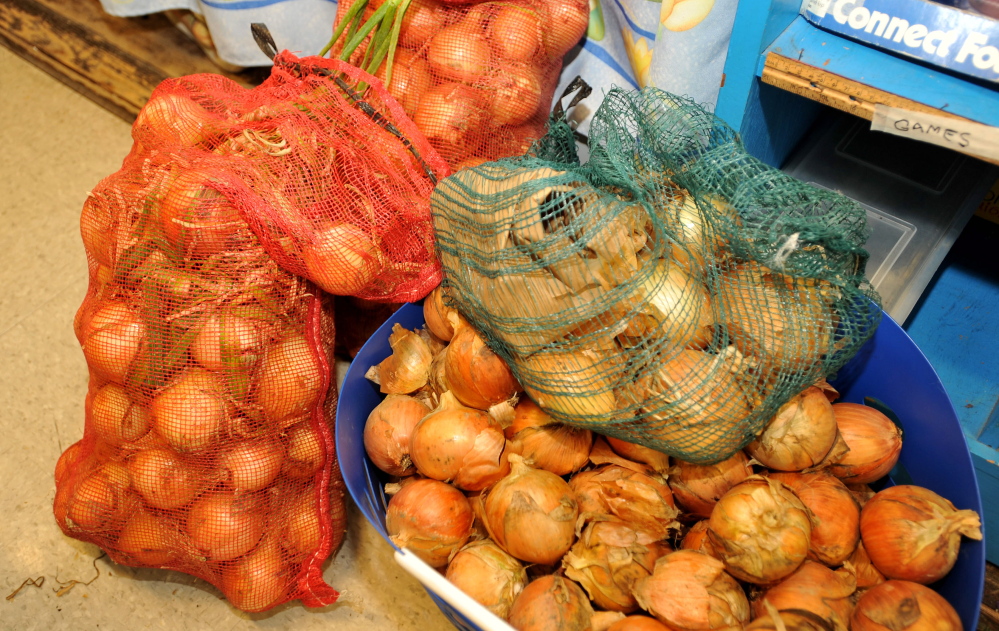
<point x="302" y="527"/>
<point x="430" y="518"/>
<point x="697" y="488"/>
<point x="149" y="540"/>
<point x="531" y="513"/>
<point x="575" y="384"/>
<point x="164" y="479"/>
<point x="895" y="605"/>
<point x="691" y="591"/>
<point x="642" y="500"/>
<point x="783" y="322"/>
<point x="192" y="412"/>
<point x="697" y="539"/>
<point x="697" y="405"/>
<point x="608" y="559"/>
<point x="289" y="381"/>
<point x="913" y="534"/>
<point x="116" y="418"/>
<point x="257" y="581"/>
<point x="861" y="493"/>
<point x="835" y="514"/>
<point x="306" y="452"/>
<point x="799" y="436"/>
<point x="102" y="501"/>
<point x="701" y="243"/>
<point x="545" y="443"/>
<point x="225" y="525"/>
<point x="111" y="339"/>
<point x="477" y="376"/>
<point x="761" y="530"/>
<point x="228" y="341"/>
<point x="440" y="318"/>
<point x="460" y="445"/>
<point x="388" y="432"/>
<point x="789" y="620"/>
<point x="551" y="602"/>
<point x="860" y="563"/>
<point x="195" y="217"/>
<point x="342" y="259"/>
<point x="638" y="623"/>
<point x="407" y="369"/>
<point x="875" y="443"/>
<point x="639" y="453"/>
<point x="489" y="575"/>
<point x="251" y="465"/>
<point x="814" y="588"/>
<point x="672" y="306"/>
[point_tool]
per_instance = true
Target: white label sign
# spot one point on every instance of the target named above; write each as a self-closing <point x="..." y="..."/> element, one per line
<point x="953" y="133"/>
<point x="818" y="7"/>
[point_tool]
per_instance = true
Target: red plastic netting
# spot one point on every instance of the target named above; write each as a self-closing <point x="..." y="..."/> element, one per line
<point x="207" y="443"/>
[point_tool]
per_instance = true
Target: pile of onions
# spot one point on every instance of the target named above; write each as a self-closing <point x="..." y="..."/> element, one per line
<point x="489" y="575"/>
<point x="875" y="443"/>
<point x="477" y="376"/>
<point x="642" y="500"/>
<point x="289" y="381"/>
<point x="867" y="574"/>
<point x="697" y="539"/>
<point x="430" y="518"/>
<point x="388" y="431"/>
<point x="903" y="605"/>
<point x="407" y="369"/>
<point x="551" y="602"/>
<point x="815" y="588"/>
<point x="545" y="443"/>
<point x="799" y="436"/>
<point x="697" y="488"/>
<point x="835" y="514"/>
<point x="640" y="453"/>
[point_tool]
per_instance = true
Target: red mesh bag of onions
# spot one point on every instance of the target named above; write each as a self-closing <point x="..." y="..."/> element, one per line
<point x="477" y="77"/>
<point x="207" y="444"/>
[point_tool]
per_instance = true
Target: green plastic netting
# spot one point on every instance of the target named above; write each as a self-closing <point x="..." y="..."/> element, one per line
<point x="671" y="291"/>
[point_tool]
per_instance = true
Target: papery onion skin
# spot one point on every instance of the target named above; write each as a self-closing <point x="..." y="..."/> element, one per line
<point x="289" y="382"/>
<point x="102" y="500"/>
<point x="799" y="435"/>
<point x="639" y="453"/>
<point x="913" y="534"/>
<point x="691" y="591"/>
<point x="191" y="413"/>
<point x="674" y="306"/>
<point x="388" y="431"/>
<point x="551" y="602"/>
<point x="697" y="539"/>
<point x="875" y="443"/>
<point x="867" y="574"/>
<point x="815" y="588"/>
<point x="407" y="369"/>
<point x="761" y="530"/>
<point x="643" y="500"/>
<point x="431" y="518"/>
<point x="544" y="442"/>
<point x="436" y="314"/>
<point x="306" y="452"/>
<point x="835" y="514"/>
<point x="697" y="488"/>
<point x="477" y="376"/>
<point x="638" y="623"/>
<point x="489" y="575"/>
<point x="227" y="342"/>
<point x="904" y="605"/>
<point x="303" y="530"/>
<point x="790" y="620"/>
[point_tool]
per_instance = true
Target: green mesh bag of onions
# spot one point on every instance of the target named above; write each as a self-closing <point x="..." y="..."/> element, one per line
<point x="207" y="445"/>
<point x="672" y="291"/>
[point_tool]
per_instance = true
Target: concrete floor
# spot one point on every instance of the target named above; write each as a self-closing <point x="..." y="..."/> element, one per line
<point x="55" y="145"/>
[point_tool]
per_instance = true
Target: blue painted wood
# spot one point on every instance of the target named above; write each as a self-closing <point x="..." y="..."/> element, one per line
<point x="775" y="121"/>
<point x="921" y="83"/>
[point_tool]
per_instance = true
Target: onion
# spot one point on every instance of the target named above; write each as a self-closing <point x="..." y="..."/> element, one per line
<point x="531" y="513"/>
<point x="570" y="383"/>
<point x="478" y="377"/>
<point x="515" y="32"/>
<point x="407" y="369"/>
<point x="697" y="539"/>
<point x="641" y="500"/>
<point x="115" y="418"/>
<point x="112" y="339"/>
<point x="690" y="590"/>
<point x="306" y="452"/>
<point x="789" y="620"/>
<point x="657" y="460"/>
<point x="440" y="318"/>
<point x="875" y="443"/>
<point x="290" y="381"/>
<point x="783" y="322"/>
<point x="913" y="534"/>
<point x="799" y="436"/>
<point x="192" y="412"/>
<point x="545" y="443"/>
<point x="700" y="245"/>
<point x="835" y="514"/>
<point x="761" y="530"/>
<point x="67" y="460"/>
<point x="697" y="488"/>
<point x="303" y="532"/>
<point x="253" y="464"/>
<point x="860" y="563"/>
<point x="565" y="23"/>
<point x="609" y="558"/>
<point x="515" y="94"/>
<point x="149" y="540"/>
<point x="410" y="75"/>
<point x="422" y="20"/>
<point x="225" y="525"/>
<point x="257" y="581"/>
<point x="489" y="575"/>
<point x="174" y="119"/>
<point x="430" y="518"/>
<point x="342" y="259"/>
<point x="227" y="342"/>
<point x="387" y="433"/>
<point x="102" y="500"/>
<point x="164" y="479"/>
<point x="460" y="445"/>
<point x="814" y="588"/>
<point x="551" y="602"/>
<point x="196" y="218"/>
<point x="450" y="115"/>
<point x="638" y="623"/>
<point x="903" y="605"/>
<point x="673" y="307"/>
<point x="459" y="52"/>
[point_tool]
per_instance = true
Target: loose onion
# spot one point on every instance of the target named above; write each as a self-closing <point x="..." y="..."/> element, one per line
<point x="440" y="318"/>
<point x="690" y="590"/>
<point x="289" y="382"/>
<point x="228" y="342"/>
<point x="835" y="514"/>
<point x="478" y="377"/>
<point x="531" y="513"/>
<point x="657" y="460"/>
<point x="342" y="259"/>
<point x="515" y="32"/>
<point x="799" y="436"/>
<point x="789" y="620"/>
<point x="388" y="431"/>
<point x="306" y="452"/>
<point x="814" y="588"/>
<point x="642" y="500"/>
<point x="697" y="539"/>
<point x="570" y="383"/>
<point x="545" y="443"/>
<point x="913" y="534"/>
<point x="551" y="602"/>
<point x="252" y="464"/>
<point x="225" y="525"/>
<point x="430" y="518"/>
<point x="196" y="218"/>
<point x="761" y="530"/>
<point x="192" y="412"/>
<point x="116" y="418"/>
<point x="303" y="531"/>
<point x="149" y="540"/>
<point x="459" y="52"/>
<point x="609" y="558"/>
<point x="112" y="339"/>
<point x="638" y="623"/>
<point x="102" y="500"/>
<point x="163" y="479"/>
<point x="460" y="445"/>
<point x="673" y="306"/>
<point x="903" y="605"/>
<point x="565" y="24"/>
<point x="875" y="443"/>
<point x="489" y="575"/>
<point x="257" y="581"/>
<point x="407" y="369"/>
<point x="697" y="488"/>
<point x="867" y="574"/>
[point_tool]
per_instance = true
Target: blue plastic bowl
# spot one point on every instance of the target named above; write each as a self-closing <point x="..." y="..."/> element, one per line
<point x="889" y="368"/>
